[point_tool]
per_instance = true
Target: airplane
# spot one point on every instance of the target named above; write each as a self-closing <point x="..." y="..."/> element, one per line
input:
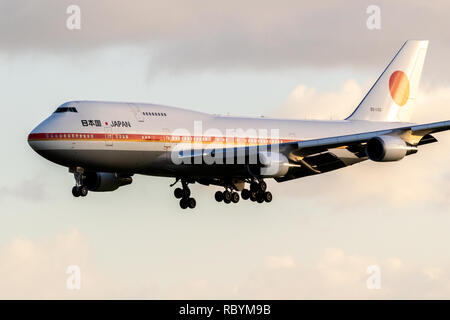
<point x="105" y="143"/>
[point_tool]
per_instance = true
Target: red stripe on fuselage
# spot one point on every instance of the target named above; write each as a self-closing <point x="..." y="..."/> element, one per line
<point x="149" y="138"/>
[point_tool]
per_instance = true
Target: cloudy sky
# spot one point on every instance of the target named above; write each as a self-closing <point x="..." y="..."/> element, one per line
<point x="284" y="58"/>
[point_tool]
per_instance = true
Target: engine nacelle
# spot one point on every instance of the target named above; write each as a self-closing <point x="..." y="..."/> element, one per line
<point x="270" y="164"/>
<point x="388" y="148"/>
<point x="105" y="181"/>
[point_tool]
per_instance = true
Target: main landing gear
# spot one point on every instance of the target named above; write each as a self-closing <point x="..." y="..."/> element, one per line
<point x="257" y="193"/>
<point x="184" y="194"/>
<point x="79" y="189"/>
<point x="227" y="196"/>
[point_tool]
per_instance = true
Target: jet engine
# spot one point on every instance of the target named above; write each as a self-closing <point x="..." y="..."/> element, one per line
<point x="388" y="148"/>
<point x="270" y="164"/>
<point x="105" y="181"/>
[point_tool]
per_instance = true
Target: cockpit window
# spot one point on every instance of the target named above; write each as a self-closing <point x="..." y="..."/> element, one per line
<point x="65" y="109"/>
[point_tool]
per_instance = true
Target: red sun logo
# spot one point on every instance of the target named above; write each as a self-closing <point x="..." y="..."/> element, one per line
<point x="399" y="87"/>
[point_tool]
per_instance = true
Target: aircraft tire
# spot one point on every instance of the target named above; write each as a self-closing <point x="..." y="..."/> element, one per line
<point x="260" y="198"/>
<point x="268" y="196"/>
<point x="83" y="190"/>
<point x="191" y="203"/>
<point x="227" y="196"/>
<point x="262" y="186"/>
<point x="218" y="196"/>
<point x="178" y="193"/>
<point x="235" y="197"/>
<point x="75" y="192"/>
<point x="245" y="194"/>
<point x="183" y="203"/>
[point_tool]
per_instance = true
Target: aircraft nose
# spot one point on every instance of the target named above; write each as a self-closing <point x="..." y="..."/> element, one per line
<point x="33" y="139"/>
<point x="38" y="134"/>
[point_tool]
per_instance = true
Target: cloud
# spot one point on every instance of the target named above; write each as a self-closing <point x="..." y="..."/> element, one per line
<point x="261" y="35"/>
<point x="32" y="189"/>
<point x="338" y="275"/>
<point x="280" y="262"/>
<point x="36" y="269"/>
<point x="309" y="103"/>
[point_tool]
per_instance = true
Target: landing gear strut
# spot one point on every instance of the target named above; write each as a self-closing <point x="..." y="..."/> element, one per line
<point x="184" y="194"/>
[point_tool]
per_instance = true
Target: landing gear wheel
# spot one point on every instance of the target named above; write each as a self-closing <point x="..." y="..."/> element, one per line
<point x="191" y="203"/>
<point x="75" y="192"/>
<point x="178" y="193"/>
<point x="187" y="192"/>
<point x="227" y="196"/>
<point x="267" y="196"/>
<point x="83" y="190"/>
<point x="218" y="196"/>
<point x="260" y="198"/>
<point x="254" y="187"/>
<point x="184" y="203"/>
<point x="262" y="186"/>
<point x="245" y="194"/>
<point x="253" y="196"/>
<point x="235" y="197"/>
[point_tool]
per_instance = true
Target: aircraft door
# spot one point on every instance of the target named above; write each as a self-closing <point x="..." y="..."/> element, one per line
<point x="108" y="136"/>
<point x="292" y="136"/>
<point x="137" y="112"/>
<point x="166" y="134"/>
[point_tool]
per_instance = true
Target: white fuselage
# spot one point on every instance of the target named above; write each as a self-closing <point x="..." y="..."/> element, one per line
<point x="139" y="138"/>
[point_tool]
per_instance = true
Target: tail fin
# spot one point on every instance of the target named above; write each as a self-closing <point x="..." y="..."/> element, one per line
<point x="390" y="97"/>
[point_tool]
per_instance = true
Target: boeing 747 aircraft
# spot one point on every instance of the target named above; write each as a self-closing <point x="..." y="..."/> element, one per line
<point x="105" y="143"/>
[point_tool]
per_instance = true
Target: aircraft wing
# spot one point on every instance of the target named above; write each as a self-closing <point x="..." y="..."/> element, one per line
<point x="412" y="134"/>
<point x="327" y="154"/>
<point x="321" y="155"/>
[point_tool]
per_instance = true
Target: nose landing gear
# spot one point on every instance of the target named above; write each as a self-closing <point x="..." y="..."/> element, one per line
<point x="79" y="189"/>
